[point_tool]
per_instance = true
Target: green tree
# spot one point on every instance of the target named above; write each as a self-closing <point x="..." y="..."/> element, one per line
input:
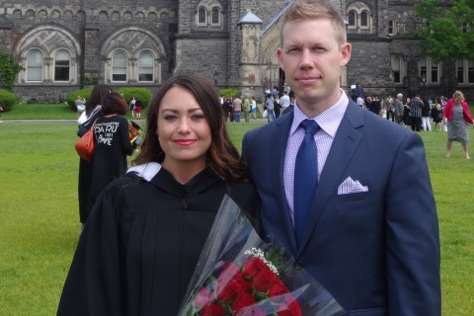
<point x="447" y="32"/>
<point x="8" y="71"/>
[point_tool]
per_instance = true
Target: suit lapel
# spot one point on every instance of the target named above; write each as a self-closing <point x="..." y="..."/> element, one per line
<point x="345" y="143"/>
<point x="282" y="127"/>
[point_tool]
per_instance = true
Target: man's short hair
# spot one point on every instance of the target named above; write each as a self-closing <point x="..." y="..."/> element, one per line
<point x="302" y="10"/>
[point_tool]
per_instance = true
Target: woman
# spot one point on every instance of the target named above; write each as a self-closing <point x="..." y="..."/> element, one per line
<point x="92" y="112"/>
<point x="112" y="145"/>
<point x="139" y="248"/>
<point x="458" y="116"/>
<point x="436" y="113"/>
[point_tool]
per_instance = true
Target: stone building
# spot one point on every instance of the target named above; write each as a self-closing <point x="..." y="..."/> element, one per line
<point x="65" y="44"/>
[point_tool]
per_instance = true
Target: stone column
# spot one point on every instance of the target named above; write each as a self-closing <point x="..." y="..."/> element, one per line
<point x="249" y="67"/>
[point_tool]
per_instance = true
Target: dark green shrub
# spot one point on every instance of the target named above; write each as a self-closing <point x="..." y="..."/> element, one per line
<point x="7" y="100"/>
<point x="8" y="70"/>
<point x="71" y="98"/>
<point x="229" y="92"/>
<point x="142" y="94"/>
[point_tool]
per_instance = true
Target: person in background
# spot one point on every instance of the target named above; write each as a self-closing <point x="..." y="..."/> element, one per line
<point x="284" y="101"/>
<point x="131" y="105"/>
<point x="246" y="108"/>
<point x="458" y="116"/>
<point x="416" y="106"/>
<point x="253" y="108"/>
<point x="93" y="110"/>
<point x="112" y="145"/>
<point x="398" y="108"/>
<point x="290" y="107"/>
<point x="437" y="114"/>
<point x="346" y="192"/>
<point x="141" y="244"/>
<point x="237" y="109"/>
<point x="425" y="116"/>
<point x="137" y="109"/>
<point x="270" y="108"/>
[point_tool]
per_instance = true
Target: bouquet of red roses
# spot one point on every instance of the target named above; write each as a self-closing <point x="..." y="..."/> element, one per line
<point x="240" y="274"/>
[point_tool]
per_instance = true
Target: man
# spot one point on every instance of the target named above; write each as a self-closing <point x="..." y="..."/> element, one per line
<point x="347" y="192"/>
<point x="415" y="113"/>
<point x="236" y="109"/>
<point x="284" y="101"/>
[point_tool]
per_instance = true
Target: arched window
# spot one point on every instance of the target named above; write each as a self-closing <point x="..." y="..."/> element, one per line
<point x="34" y="66"/>
<point x="202" y="15"/>
<point x="145" y="66"/>
<point x="364" y="19"/>
<point x="119" y="66"/>
<point x="61" y="66"/>
<point x="215" y="19"/>
<point x="352" y="18"/>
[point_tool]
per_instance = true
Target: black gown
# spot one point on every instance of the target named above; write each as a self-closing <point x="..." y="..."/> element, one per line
<point x="141" y="243"/>
<point x="110" y="157"/>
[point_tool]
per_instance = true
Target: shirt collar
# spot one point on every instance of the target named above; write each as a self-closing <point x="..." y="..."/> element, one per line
<point x="328" y="121"/>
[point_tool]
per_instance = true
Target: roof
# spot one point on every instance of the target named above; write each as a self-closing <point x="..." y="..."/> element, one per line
<point x="250" y="18"/>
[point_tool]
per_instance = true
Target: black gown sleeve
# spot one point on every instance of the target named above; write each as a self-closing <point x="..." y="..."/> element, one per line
<point x="93" y="285"/>
<point x="127" y="147"/>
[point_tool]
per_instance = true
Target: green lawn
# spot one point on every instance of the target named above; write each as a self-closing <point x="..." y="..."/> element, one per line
<point x="39" y="222"/>
<point x="40" y="111"/>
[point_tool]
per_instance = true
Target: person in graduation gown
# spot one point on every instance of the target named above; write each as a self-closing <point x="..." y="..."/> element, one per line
<point x="92" y="111"/>
<point x="112" y="145"/>
<point x="144" y="236"/>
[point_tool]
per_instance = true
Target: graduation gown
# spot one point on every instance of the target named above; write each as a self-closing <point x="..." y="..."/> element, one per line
<point x="141" y="243"/>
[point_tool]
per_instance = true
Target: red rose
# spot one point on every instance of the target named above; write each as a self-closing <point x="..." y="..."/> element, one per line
<point x="278" y="288"/>
<point x="213" y="310"/>
<point x="244" y="299"/>
<point x="264" y="280"/>
<point x="253" y="266"/>
<point x="230" y="290"/>
<point x="204" y="297"/>
<point x="293" y="308"/>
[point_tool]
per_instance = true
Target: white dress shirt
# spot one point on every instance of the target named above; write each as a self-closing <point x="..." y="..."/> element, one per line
<point x="328" y="122"/>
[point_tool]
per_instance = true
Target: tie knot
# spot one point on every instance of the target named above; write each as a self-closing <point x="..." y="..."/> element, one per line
<point x="310" y="126"/>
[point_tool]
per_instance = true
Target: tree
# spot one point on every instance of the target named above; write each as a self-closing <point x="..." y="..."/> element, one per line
<point x="8" y="71"/>
<point x="448" y="29"/>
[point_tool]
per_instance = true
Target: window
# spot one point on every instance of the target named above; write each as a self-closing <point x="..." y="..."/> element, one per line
<point x="470" y="72"/>
<point x="119" y="66"/>
<point x="429" y="71"/>
<point x="202" y="15"/>
<point x="34" y="66"/>
<point x="215" y="15"/>
<point x="460" y="71"/>
<point x="61" y="66"/>
<point x="145" y="66"/>
<point x="364" y="19"/>
<point x="352" y="18"/>
<point x="390" y="27"/>
<point x="398" y="68"/>
<point x="434" y="74"/>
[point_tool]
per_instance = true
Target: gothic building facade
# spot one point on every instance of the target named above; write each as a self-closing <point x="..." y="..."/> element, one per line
<point x="63" y="45"/>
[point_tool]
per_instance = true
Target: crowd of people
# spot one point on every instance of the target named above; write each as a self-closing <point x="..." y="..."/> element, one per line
<point x="425" y="114"/>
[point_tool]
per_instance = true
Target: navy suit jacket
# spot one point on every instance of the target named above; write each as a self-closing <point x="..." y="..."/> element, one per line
<point x="377" y="252"/>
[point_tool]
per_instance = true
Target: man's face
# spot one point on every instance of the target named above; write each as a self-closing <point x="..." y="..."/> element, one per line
<point x="311" y="58"/>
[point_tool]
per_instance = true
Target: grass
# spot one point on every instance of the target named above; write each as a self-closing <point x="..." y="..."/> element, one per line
<point x="40" y="111"/>
<point x="39" y="217"/>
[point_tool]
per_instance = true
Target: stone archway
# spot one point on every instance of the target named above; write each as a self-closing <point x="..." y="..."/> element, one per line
<point x="48" y="39"/>
<point x="133" y="40"/>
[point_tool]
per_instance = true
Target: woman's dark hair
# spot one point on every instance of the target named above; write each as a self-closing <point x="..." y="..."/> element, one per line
<point x="114" y="103"/>
<point x="222" y="157"/>
<point x="97" y="97"/>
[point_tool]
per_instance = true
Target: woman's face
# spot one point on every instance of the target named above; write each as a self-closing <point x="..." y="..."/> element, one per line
<point x="183" y="131"/>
